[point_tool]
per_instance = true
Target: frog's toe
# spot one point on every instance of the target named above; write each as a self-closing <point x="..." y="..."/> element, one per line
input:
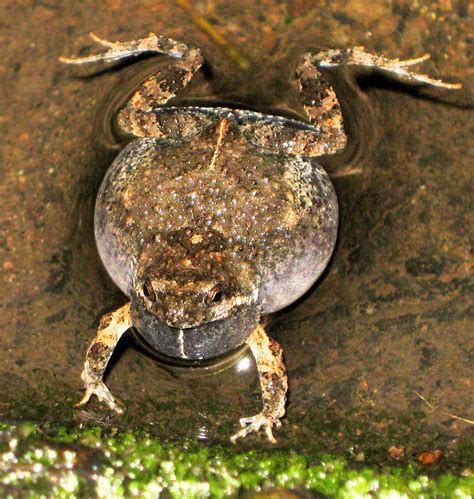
<point x="105" y="43"/>
<point x="103" y="394"/>
<point x="254" y="424"/>
<point x="87" y="395"/>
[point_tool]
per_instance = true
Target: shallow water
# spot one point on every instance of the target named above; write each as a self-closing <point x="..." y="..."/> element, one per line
<point x="389" y="318"/>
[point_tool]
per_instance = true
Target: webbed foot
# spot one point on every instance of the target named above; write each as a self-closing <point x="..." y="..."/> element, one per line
<point x="254" y="424"/>
<point x="116" y="50"/>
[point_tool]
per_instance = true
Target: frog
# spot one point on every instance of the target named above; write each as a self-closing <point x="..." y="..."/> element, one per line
<point x="213" y="217"/>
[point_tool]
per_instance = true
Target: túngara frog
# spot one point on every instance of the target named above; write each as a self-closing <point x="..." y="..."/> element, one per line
<point x="212" y="217"/>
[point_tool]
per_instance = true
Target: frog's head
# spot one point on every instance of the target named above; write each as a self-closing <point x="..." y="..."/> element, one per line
<point x="195" y="297"/>
<point x="189" y="278"/>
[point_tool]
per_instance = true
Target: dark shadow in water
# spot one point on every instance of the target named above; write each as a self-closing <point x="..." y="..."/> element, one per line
<point x="460" y="99"/>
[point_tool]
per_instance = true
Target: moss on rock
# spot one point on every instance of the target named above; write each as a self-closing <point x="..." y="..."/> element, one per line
<point x="92" y="461"/>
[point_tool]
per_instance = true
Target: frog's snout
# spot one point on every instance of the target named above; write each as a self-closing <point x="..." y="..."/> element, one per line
<point x="204" y="341"/>
<point x="193" y="303"/>
<point x="184" y="306"/>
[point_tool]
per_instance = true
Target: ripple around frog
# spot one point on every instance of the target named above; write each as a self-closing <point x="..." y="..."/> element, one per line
<point x="209" y="395"/>
<point x="360" y="112"/>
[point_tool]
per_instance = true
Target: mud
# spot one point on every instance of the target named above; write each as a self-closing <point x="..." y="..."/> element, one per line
<point x="392" y="315"/>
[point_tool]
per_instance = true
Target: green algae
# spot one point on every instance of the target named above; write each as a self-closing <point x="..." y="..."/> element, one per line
<point x="92" y="461"/>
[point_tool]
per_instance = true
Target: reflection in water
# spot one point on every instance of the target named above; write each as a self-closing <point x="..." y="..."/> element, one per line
<point x="243" y="364"/>
<point x="203" y="432"/>
<point x="208" y="394"/>
<point x="238" y="360"/>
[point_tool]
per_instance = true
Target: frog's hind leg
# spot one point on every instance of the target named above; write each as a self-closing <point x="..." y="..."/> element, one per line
<point x="160" y="87"/>
<point x="320" y="101"/>
<point x="359" y="57"/>
<point x="112" y="326"/>
<point x="326" y="134"/>
<point x="272" y="372"/>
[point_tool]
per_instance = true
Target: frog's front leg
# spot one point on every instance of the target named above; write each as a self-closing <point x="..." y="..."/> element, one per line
<point x="159" y="88"/>
<point x="112" y="326"/>
<point x="274" y="382"/>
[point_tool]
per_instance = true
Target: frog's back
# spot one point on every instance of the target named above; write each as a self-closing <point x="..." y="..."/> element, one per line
<point x="276" y="211"/>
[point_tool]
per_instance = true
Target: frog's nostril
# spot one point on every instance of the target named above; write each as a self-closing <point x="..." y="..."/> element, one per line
<point x="148" y="291"/>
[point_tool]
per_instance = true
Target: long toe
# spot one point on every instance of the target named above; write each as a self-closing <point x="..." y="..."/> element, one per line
<point x="104" y="395"/>
<point x="254" y="424"/>
<point x="87" y="395"/>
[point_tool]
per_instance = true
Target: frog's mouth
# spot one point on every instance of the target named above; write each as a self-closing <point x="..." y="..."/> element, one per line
<point x="203" y="342"/>
<point x="219" y="307"/>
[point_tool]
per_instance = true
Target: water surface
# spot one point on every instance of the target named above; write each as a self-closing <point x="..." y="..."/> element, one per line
<point x="390" y="317"/>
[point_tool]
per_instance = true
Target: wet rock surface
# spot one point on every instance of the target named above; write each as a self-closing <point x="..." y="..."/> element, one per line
<point x="390" y="319"/>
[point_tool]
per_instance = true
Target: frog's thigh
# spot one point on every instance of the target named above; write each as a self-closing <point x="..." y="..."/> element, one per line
<point x="112" y="326"/>
<point x="319" y="98"/>
<point x="174" y="124"/>
<point x="162" y="85"/>
<point x="321" y="104"/>
<point x="286" y="139"/>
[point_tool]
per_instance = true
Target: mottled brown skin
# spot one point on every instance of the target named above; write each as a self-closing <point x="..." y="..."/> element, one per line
<point x="212" y="217"/>
<point x="111" y="328"/>
<point x="274" y="381"/>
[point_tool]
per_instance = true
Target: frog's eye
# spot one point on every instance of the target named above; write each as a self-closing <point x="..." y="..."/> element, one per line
<point x="148" y="291"/>
<point x="214" y="296"/>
